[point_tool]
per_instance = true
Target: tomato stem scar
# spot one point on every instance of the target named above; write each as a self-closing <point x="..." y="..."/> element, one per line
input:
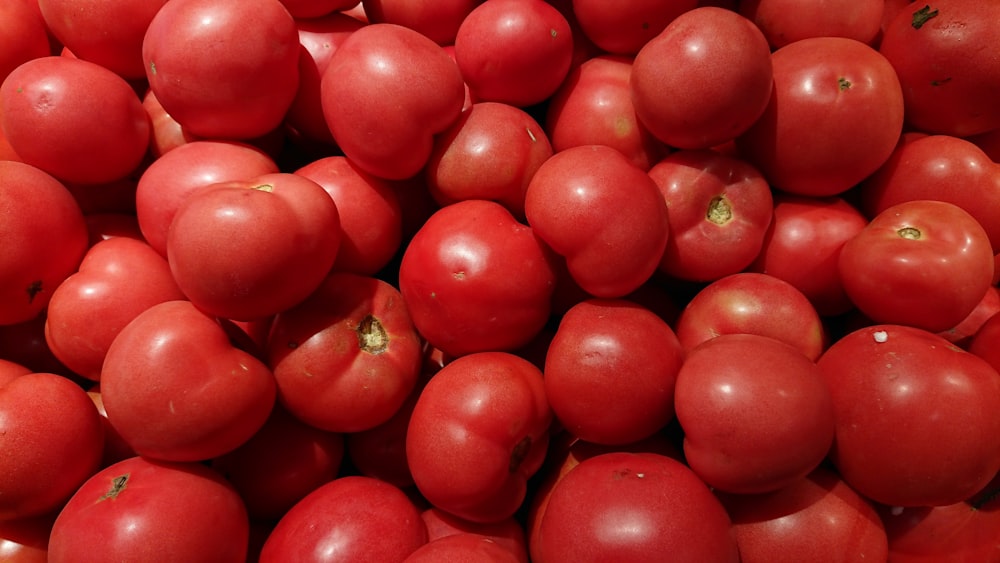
<point x="719" y="210"/>
<point x="921" y="16"/>
<point x="911" y="233"/>
<point x="118" y="485"/>
<point x="372" y="337"/>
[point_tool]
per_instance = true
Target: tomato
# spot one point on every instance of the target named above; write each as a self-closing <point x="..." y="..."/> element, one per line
<point x="491" y="152"/>
<point x="962" y="333"/>
<point x="941" y="54"/>
<point x="118" y="279"/>
<point x="604" y="215"/>
<point x="807" y="521"/>
<point x="139" y="509"/>
<point x="438" y="20"/>
<point x="45" y="240"/>
<point x="835" y="115"/>
<point x="106" y="33"/>
<point x="719" y="209"/>
<point x="594" y="107"/>
<point x="704" y="80"/>
<point x="385" y="94"/>
<point x="507" y="533"/>
<point x="312" y="9"/>
<point x="787" y="21"/>
<point x="475" y="279"/>
<point x="478" y="432"/>
<point x="514" y="51"/>
<point x="51" y="441"/>
<point x="24" y="343"/>
<point x="26" y="540"/>
<point x="24" y="35"/>
<point x="74" y="119"/>
<point x="624" y="27"/>
<point x="802" y="247"/>
<point x="242" y="219"/>
<point x="914" y="416"/>
<point x="351" y="518"/>
<point x="633" y="507"/>
<point x="9" y="370"/>
<point x="616" y="358"/>
<point x="177" y="390"/>
<point x="115" y="447"/>
<point x="922" y="263"/>
<point x="467" y="547"/>
<point x="755" y="411"/>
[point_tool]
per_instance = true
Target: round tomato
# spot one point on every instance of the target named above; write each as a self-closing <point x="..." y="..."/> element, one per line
<point x="624" y="27"/>
<point x="437" y="19"/>
<point x="787" y="21"/>
<point x="24" y="34"/>
<point x="465" y="547"/>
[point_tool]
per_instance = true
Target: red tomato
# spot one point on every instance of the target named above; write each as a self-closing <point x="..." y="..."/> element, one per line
<point x="346" y="358"/>
<point x="942" y="55"/>
<point x="719" y="209"/>
<point x="807" y="521"/>
<point x="752" y="303"/>
<point x="118" y="279"/>
<point x="9" y="370"/>
<point x="802" y="247"/>
<point x="436" y="19"/>
<point x="478" y="432"/>
<point x="604" y="215"/>
<point x="358" y="519"/>
<point x="388" y="90"/>
<point x="52" y="441"/>
<point x="25" y="344"/>
<point x="962" y="333"/>
<point x="166" y="134"/>
<point x="624" y="27"/>
<point x="921" y="263"/>
<point x="465" y="547"/>
<point x="474" y="279"/>
<point x="106" y="33"/>
<point x="45" y="238"/>
<point x="938" y="399"/>
<point x="176" y="389"/>
<point x="755" y="411"/>
<point x="617" y="358"/>
<point x="171" y="178"/>
<point x="633" y="507"/>
<point x="835" y="115"/>
<point x="247" y="272"/>
<point x="514" y="51"/>
<point x="491" y="152"/>
<point x="312" y="9"/>
<point x="594" y="107"/>
<point x="74" y="119"/>
<point x="704" y="80"/>
<point x="24" y="35"/>
<point x="223" y="68"/>
<point x="115" y="447"/>
<point x="140" y="509"/>
<point x="507" y="533"/>
<point x="26" y="540"/>
<point x="787" y="21"/>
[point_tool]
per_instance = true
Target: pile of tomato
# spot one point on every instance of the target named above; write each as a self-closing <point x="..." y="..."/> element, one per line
<point x="499" y="280"/>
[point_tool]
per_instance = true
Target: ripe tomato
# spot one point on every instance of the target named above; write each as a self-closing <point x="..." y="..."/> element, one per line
<point x="787" y="21"/>
<point x="26" y="540"/>
<point x="623" y="28"/>
<point x="437" y="19"/>
<point x="25" y="36"/>
<point x="506" y="533"/>
<point x="466" y="547"/>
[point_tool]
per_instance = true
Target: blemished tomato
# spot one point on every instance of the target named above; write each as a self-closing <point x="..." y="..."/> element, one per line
<point x="885" y="377"/>
<point x="622" y="28"/>
<point x="139" y="509"/>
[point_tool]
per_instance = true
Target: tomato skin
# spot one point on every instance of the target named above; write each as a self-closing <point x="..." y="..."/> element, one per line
<point x="622" y="28"/>
<point x="386" y="92"/>
<point x="466" y="547"/>
<point x="633" y="507"/>
<point x="52" y="440"/>
<point x="604" y="215"/>
<point x="311" y="9"/>
<point x="196" y="54"/>
<point x="139" y="509"/>
<point x="478" y="432"/>
<point x="939" y="397"/>
<point x="25" y="36"/>
<point x="351" y="518"/>
<point x="617" y="358"/>
<point x="704" y="80"/>
<point x="787" y="21"/>
<point x="831" y="96"/>
<point x="507" y="534"/>
<point x="177" y="390"/>
<point x="438" y="20"/>
<point x="475" y="279"/>
<point x="74" y="119"/>
<point x="922" y="263"/>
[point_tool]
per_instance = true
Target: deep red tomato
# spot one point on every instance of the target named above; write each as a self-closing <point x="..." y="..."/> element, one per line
<point x="478" y="432"/>
<point x="45" y="239"/>
<point x="26" y="540"/>
<point x="475" y="279"/>
<point x="988" y="307"/>
<point x="624" y="27"/>
<point x="139" y="509"/>
<point x="223" y="68"/>
<point x="25" y="36"/>
<point x="787" y="21"/>
<point x="633" y="507"/>
<point x="506" y="533"/>
<point x="74" y="119"/>
<point x="313" y="9"/>
<point x="616" y="358"/>
<point x="941" y="53"/>
<point x="604" y="215"/>
<point x="437" y="19"/>
<point x="386" y="92"/>
<point x="719" y="209"/>
<point x="835" y="115"/>
<point x="51" y="441"/>
<point x="755" y="411"/>
<point x="466" y="547"/>
<point x="704" y="80"/>
<point x="351" y="518"/>
<point x="514" y="51"/>
<point x="939" y="402"/>
<point x="176" y="388"/>
<point x="9" y="370"/>
<point x="922" y="263"/>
